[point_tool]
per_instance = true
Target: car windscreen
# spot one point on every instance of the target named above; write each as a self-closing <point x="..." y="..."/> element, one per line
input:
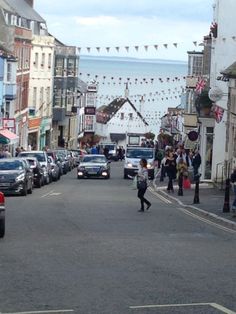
<point x="110" y="147"/>
<point x="11" y="165"/>
<point x="140" y="153"/>
<point x="32" y="162"/>
<point x="94" y="159"/>
<point x="39" y="156"/>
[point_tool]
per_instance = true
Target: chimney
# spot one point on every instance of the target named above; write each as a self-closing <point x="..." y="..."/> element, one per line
<point x="30" y="2"/>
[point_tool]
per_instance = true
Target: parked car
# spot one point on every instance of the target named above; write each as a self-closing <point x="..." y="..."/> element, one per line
<point x="2" y="215"/>
<point x="43" y="160"/>
<point x="63" y="157"/>
<point x="37" y="171"/>
<point x="15" y="177"/>
<point x="56" y="175"/>
<point x="56" y="159"/>
<point x="78" y="154"/>
<point x="94" y="166"/>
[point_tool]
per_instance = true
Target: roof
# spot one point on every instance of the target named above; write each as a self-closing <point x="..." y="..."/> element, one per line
<point x="23" y="9"/>
<point x="230" y="71"/>
<point x="111" y="109"/>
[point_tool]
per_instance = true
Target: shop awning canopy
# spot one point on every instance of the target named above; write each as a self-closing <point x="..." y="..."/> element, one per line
<point x="8" y="137"/>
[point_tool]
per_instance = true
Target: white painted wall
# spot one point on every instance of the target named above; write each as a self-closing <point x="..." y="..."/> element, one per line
<point x="223" y="55"/>
<point x="126" y="125"/>
<point x="41" y="76"/>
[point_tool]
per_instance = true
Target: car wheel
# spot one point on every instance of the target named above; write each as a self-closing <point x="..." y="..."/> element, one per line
<point x="24" y="190"/>
<point x="2" y="227"/>
<point x="39" y="183"/>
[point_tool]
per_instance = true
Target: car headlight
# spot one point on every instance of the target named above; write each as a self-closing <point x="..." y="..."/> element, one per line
<point x="21" y="177"/>
<point x="129" y="165"/>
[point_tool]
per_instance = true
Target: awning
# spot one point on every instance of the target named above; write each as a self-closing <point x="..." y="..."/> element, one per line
<point x="8" y="137"/>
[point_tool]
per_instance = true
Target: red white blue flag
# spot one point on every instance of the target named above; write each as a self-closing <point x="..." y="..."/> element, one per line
<point x="218" y="112"/>
<point x="200" y="85"/>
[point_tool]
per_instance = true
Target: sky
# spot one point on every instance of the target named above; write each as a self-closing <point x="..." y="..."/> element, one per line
<point x="157" y="24"/>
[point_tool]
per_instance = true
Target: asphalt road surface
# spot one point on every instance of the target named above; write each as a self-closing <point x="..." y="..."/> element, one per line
<point x="81" y="246"/>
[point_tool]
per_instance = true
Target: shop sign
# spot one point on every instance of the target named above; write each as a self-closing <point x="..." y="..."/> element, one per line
<point x="34" y="123"/>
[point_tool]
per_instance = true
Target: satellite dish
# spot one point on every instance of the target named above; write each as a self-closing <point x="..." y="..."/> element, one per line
<point x="215" y="94"/>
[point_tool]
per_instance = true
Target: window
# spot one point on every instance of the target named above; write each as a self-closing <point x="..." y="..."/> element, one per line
<point x="49" y="60"/>
<point x="122" y="116"/>
<point x="48" y="95"/>
<point x="41" y="97"/>
<point x="130" y="116"/>
<point x="91" y="99"/>
<point x="43" y="60"/>
<point x="36" y="59"/>
<point x="9" y="72"/>
<point x="59" y="67"/>
<point x="71" y="67"/>
<point x="89" y="121"/>
<point x="34" y="97"/>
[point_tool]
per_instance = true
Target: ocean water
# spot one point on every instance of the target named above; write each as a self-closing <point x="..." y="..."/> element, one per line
<point x="154" y="85"/>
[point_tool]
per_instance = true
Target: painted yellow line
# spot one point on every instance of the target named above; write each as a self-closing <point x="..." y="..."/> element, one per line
<point x="207" y="221"/>
<point x="162" y="198"/>
<point x="214" y="305"/>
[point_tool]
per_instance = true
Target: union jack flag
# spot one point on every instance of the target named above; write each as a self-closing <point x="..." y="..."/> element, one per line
<point x="200" y="86"/>
<point x="218" y="112"/>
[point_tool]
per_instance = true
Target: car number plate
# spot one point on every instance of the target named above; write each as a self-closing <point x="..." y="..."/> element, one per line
<point x="93" y="171"/>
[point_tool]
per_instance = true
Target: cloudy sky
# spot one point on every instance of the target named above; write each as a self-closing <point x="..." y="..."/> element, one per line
<point x="129" y="23"/>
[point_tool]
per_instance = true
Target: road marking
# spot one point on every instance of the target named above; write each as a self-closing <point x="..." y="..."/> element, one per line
<point x="45" y="195"/>
<point x="43" y="312"/>
<point x="214" y="305"/>
<point x="162" y="198"/>
<point x="207" y="221"/>
<point x="54" y="194"/>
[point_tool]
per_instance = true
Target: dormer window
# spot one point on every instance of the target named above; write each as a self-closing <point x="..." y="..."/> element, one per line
<point x="131" y="116"/>
<point x="122" y="115"/>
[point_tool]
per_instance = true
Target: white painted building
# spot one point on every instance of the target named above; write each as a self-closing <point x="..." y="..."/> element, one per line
<point x="119" y="121"/>
<point x="40" y="91"/>
<point x="223" y="55"/>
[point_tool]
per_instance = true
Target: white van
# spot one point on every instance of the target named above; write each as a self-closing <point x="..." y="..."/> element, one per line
<point x="133" y="154"/>
<point x="112" y="150"/>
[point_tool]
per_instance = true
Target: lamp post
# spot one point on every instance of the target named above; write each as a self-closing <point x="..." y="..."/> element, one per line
<point x="196" y="191"/>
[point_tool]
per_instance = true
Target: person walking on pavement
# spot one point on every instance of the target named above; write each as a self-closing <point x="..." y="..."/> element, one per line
<point x="142" y="184"/>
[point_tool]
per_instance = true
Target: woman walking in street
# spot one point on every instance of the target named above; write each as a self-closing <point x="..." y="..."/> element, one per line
<point x="142" y="184"/>
<point x="171" y="171"/>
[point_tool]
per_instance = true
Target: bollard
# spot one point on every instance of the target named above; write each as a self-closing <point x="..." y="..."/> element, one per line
<point x="180" y="183"/>
<point x="196" y="191"/>
<point x="2" y="215"/>
<point x="226" y="207"/>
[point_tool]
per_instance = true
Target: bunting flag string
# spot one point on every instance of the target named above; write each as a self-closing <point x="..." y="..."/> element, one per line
<point x="135" y="80"/>
<point x="137" y="47"/>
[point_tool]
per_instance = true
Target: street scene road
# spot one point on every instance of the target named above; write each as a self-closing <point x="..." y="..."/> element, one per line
<point x="81" y="246"/>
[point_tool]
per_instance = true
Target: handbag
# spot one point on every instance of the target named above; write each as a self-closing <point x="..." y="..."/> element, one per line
<point x="141" y="185"/>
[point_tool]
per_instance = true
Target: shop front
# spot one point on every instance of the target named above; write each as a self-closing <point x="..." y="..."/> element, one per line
<point x="33" y="133"/>
<point x="45" y="132"/>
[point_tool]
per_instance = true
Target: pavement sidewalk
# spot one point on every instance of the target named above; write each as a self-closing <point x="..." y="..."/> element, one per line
<point x="211" y="200"/>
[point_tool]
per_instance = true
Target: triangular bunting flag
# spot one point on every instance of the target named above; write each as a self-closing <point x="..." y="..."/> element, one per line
<point x="88" y="49"/>
<point x="79" y="49"/>
<point x="98" y="49"/>
<point x="127" y="48"/>
<point x="165" y="45"/>
<point x="175" y="45"/>
<point x="146" y="48"/>
<point x="107" y="49"/>
<point x="117" y="49"/>
<point x="195" y="43"/>
<point x="136" y="48"/>
<point x="156" y="47"/>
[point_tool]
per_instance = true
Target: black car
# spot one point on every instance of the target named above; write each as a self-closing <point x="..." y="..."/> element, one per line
<point x="94" y="166"/>
<point x="37" y="171"/>
<point x="15" y="177"/>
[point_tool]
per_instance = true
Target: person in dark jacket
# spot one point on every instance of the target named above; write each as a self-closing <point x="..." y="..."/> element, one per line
<point x="196" y="162"/>
<point x="142" y="179"/>
<point x="170" y="166"/>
